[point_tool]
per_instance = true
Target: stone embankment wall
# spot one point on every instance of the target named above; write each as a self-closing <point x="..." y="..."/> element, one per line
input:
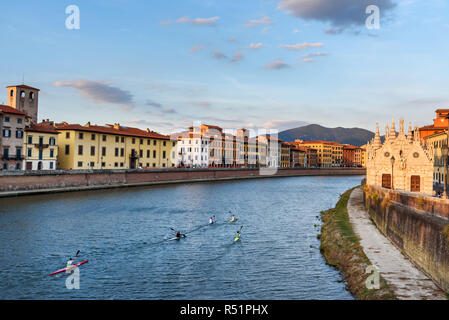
<point x="11" y="182"/>
<point x="416" y="224"/>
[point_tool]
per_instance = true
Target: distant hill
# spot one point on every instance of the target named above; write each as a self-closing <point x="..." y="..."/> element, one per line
<point x="354" y="136"/>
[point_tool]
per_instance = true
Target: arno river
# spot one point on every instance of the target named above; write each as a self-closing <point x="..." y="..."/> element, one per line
<point x="121" y="232"/>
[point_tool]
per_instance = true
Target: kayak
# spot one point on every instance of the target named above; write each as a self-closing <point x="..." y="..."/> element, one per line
<point x="234" y="220"/>
<point x="177" y="238"/>
<point x="236" y="239"/>
<point x="65" y="269"/>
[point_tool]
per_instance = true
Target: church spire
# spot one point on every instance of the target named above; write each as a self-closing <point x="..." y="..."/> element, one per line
<point x="392" y="135"/>
<point x="410" y="133"/>
<point x="377" y="143"/>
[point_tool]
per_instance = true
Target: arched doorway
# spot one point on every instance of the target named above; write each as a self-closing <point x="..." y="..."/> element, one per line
<point x="39" y="165"/>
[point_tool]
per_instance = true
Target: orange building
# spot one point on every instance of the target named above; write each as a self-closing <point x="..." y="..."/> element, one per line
<point x="440" y="123"/>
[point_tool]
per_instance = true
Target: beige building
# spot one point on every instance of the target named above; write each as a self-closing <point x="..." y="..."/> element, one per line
<point x="40" y="147"/>
<point x="12" y="125"/>
<point x="401" y="162"/>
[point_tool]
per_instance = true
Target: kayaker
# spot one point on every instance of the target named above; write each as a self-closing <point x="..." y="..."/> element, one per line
<point x="70" y="262"/>
<point x="178" y="234"/>
<point x="237" y="236"/>
<point x="211" y="220"/>
<point x="232" y="218"/>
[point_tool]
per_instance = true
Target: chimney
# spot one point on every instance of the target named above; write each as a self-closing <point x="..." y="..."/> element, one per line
<point x="117" y="126"/>
<point x="87" y="124"/>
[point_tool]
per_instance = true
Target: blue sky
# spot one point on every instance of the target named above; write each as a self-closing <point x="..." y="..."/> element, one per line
<point x="258" y="64"/>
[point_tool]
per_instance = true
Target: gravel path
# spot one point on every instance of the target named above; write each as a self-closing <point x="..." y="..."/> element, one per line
<point x="402" y="276"/>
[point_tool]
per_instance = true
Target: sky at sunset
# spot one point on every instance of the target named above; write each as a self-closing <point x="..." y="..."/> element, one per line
<point x="257" y="64"/>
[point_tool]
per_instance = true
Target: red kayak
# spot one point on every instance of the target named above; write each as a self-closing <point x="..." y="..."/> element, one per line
<point x="65" y="269"/>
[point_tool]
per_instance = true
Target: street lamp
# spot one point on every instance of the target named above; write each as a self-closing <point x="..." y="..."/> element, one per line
<point x="444" y="152"/>
<point x="392" y="168"/>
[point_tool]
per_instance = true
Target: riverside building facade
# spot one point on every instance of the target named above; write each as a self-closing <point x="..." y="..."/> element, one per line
<point x="113" y="147"/>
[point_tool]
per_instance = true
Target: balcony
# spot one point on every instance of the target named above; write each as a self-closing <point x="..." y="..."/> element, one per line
<point x="41" y="145"/>
<point x="15" y="157"/>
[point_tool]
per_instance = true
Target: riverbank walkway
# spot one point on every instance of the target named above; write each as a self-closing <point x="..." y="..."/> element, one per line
<point x="407" y="281"/>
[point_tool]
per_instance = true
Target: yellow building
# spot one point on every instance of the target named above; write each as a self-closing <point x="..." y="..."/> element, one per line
<point x="324" y="150"/>
<point x="113" y="147"/>
<point x="285" y="155"/>
<point x="337" y="154"/>
<point x="40" y="147"/>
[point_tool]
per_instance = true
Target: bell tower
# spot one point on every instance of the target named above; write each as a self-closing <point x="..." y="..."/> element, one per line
<point x="24" y="98"/>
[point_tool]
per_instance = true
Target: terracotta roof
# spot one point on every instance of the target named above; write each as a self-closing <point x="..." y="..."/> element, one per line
<point x="24" y="86"/>
<point x="42" y="127"/>
<point x="321" y="142"/>
<point x="111" y="129"/>
<point x="8" y="109"/>
<point x="442" y="110"/>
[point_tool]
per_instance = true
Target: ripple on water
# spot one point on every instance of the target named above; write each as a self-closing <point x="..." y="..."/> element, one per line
<point x="123" y="234"/>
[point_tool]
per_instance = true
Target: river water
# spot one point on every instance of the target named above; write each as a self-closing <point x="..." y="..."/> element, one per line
<point x="122" y="233"/>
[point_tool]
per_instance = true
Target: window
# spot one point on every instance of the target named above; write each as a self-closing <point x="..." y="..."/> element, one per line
<point x="174" y="144"/>
<point x="30" y="152"/>
<point x="93" y="136"/>
<point x="154" y="165"/>
<point x="122" y="152"/>
<point x="51" y="165"/>
<point x="116" y="164"/>
<point x="19" y="134"/>
<point x="67" y="149"/>
<point x="92" y="164"/>
<point x="80" y="150"/>
<point x="104" y="137"/>
<point x="11" y="93"/>
<point x="141" y="141"/>
<point x="52" y="141"/>
<point x="22" y="94"/>
<point x="18" y="166"/>
<point x="103" y="164"/>
<point x="165" y="143"/>
<point x="123" y="139"/>
<point x="117" y="139"/>
<point x="148" y="142"/>
<point x="116" y="152"/>
<point x="154" y="142"/>
<point x="148" y="154"/>
<point x="103" y="151"/>
<point x="133" y="141"/>
<point x="92" y="150"/>
<point x="30" y="139"/>
<point x="163" y="154"/>
<point x="6" y="119"/>
<point x="154" y="153"/>
<point x="80" y="164"/>
<point x="121" y="164"/>
<point x="81" y="136"/>
<point x="52" y="153"/>
<point x="19" y="120"/>
<point x="140" y="153"/>
<point x="67" y="135"/>
<point x="32" y="95"/>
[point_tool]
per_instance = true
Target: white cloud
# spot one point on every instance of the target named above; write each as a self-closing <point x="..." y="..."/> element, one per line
<point x="196" y="48"/>
<point x="301" y="46"/>
<point x="277" y="64"/>
<point x="238" y="56"/>
<point x="262" y="21"/>
<point x="210" y="22"/>
<point x="255" y="45"/>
